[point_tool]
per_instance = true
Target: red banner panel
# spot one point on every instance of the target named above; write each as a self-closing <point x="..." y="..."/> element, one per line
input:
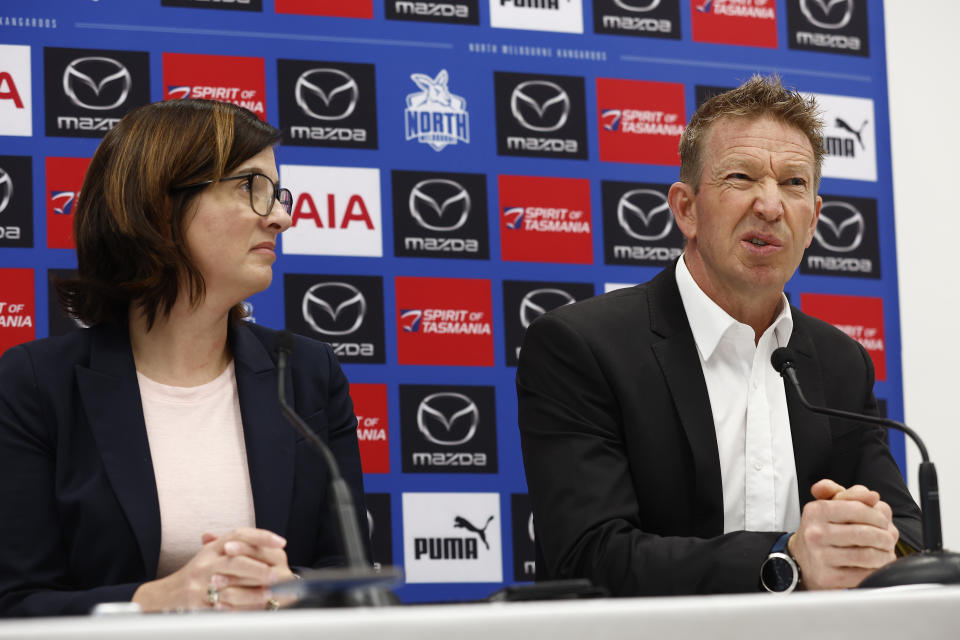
<point x="444" y="321"/>
<point x="17" y="309"/>
<point x="545" y="219"/>
<point x="859" y="317"/>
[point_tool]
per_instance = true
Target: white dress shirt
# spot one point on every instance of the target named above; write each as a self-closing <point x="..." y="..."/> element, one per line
<point x="749" y="406"/>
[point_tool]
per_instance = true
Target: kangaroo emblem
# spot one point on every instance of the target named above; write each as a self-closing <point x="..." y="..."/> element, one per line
<point x="841" y="124"/>
<point x="462" y="523"/>
<point x="435" y="92"/>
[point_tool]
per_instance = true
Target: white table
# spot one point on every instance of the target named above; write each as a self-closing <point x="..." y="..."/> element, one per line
<point x="913" y="614"/>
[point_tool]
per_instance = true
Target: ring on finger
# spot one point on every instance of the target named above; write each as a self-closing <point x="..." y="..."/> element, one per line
<point x="273" y="604"/>
<point x="213" y="595"/>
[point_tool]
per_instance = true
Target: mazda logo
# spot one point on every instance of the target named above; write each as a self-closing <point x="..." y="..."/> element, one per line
<point x="439" y="413"/>
<point x="434" y="204"/>
<point x="334" y="308"/>
<point x="637" y="5"/>
<point x="826" y="17"/>
<point x="833" y="226"/>
<point x="316" y="90"/>
<point x="539" y="301"/>
<point x="104" y="83"/>
<point x="637" y="213"/>
<point x="6" y="190"/>
<point x="540" y="105"/>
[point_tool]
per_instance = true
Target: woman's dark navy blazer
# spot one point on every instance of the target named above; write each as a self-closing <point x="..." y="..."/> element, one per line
<point x="79" y="517"/>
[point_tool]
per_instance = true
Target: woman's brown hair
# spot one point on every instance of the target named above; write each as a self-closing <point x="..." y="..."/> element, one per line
<point x="130" y="220"/>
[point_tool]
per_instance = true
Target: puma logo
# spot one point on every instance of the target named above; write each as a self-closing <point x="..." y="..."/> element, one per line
<point x="840" y="123"/>
<point x="462" y="523"/>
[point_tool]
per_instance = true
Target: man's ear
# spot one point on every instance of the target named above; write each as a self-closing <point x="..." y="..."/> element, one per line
<point x="813" y="223"/>
<point x="681" y="199"/>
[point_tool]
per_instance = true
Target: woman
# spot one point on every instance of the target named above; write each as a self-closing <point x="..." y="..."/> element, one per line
<point x="145" y="458"/>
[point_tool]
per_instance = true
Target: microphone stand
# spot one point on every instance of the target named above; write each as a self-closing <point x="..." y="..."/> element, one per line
<point x="358" y="579"/>
<point x="932" y="564"/>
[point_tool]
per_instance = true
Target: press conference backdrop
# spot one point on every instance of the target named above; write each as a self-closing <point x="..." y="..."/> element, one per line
<point x="459" y="167"/>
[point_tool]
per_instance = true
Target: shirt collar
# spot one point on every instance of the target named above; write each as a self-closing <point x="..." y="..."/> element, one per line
<point x="709" y="323"/>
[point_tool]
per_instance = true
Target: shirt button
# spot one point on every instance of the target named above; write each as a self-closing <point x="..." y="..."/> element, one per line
<point x="758" y="466"/>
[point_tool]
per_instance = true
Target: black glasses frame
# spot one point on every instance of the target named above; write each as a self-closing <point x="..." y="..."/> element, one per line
<point x="278" y="192"/>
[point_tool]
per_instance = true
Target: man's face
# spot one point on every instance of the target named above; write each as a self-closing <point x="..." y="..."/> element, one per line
<point x="756" y="208"/>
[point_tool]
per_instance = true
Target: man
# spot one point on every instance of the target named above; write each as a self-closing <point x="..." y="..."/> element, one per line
<point x="663" y="454"/>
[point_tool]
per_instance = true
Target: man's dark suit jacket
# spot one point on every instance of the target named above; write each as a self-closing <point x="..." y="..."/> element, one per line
<point x="621" y="453"/>
<point x="80" y="522"/>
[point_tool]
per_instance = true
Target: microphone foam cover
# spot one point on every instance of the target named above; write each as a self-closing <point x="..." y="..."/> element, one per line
<point x="782" y="357"/>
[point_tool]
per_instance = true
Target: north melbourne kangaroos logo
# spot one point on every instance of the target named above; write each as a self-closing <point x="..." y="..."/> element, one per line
<point x="434" y="116"/>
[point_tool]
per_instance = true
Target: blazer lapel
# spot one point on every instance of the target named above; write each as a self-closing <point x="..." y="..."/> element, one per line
<point x="270" y="442"/>
<point x="680" y="364"/>
<point x="810" y="432"/>
<point x="111" y="400"/>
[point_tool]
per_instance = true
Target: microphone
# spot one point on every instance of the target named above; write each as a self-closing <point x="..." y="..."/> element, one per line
<point x="358" y="572"/>
<point x="932" y="564"/>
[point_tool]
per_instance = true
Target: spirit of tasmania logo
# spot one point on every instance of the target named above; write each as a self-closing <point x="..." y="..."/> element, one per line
<point x="545" y="219"/>
<point x="16" y="307"/>
<point x="434" y="115"/>
<point x="64" y="179"/>
<point x="859" y="317"/>
<point x="751" y="23"/>
<point x="370" y="406"/>
<point x="640" y="121"/>
<point x="335" y="8"/>
<point x="444" y="321"/>
<point x="233" y="79"/>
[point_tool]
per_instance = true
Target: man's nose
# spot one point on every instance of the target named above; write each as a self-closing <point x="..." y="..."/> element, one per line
<point x="768" y="203"/>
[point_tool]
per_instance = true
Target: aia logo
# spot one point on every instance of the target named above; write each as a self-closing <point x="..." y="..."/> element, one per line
<point x="410" y="320"/>
<point x="336" y="211"/>
<point x="9" y="91"/>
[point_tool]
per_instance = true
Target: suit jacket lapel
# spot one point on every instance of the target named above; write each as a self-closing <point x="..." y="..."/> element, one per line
<point x="270" y="442"/>
<point x="111" y="400"/>
<point x="810" y="432"/>
<point x="680" y="364"/>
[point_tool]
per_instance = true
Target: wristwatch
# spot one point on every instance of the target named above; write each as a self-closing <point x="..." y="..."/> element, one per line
<point x="779" y="573"/>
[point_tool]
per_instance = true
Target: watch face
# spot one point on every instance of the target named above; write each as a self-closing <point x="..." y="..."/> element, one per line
<point x="778" y="573"/>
